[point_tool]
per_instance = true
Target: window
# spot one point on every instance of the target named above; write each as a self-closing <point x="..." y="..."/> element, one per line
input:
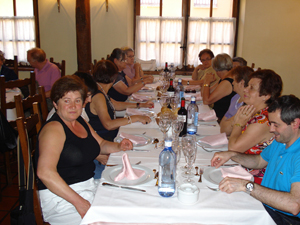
<point x="17" y="28"/>
<point x="167" y="34"/>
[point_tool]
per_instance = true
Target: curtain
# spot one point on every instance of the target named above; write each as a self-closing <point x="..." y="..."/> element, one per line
<point x="216" y="34"/>
<point x="159" y="38"/>
<point x="17" y="35"/>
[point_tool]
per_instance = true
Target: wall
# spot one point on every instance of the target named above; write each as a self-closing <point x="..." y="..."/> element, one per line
<point x="268" y="33"/>
<point x="109" y="29"/>
<point x="269" y="36"/>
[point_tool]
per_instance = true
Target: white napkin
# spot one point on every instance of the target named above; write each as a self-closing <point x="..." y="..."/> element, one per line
<point x="215" y="140"/>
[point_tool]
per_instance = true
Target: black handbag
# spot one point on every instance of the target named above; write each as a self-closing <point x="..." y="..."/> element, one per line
<point x="24" y="213"/>
<point x="8" y="135"/>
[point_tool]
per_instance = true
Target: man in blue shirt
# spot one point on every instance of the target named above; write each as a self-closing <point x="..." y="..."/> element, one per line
<point x="280" y="188"/>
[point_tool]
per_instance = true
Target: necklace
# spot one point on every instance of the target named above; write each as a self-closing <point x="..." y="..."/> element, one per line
<point x="109" y="101"/>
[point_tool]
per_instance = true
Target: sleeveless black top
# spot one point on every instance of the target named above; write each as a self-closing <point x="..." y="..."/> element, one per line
<point x="95" y="122"/>
<point x="221" y="106"/>
<point x="113" y="93"/>
<point x="76" y="159"/>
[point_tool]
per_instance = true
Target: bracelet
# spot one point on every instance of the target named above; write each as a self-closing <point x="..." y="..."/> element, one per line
<point x="138" y="105"/>
<point x="143" y="82"/>
<point x="129" y="119"/>
<point x="205" y="85"/>
<point x="188" y="82"/>
<point x="238" y="125"/>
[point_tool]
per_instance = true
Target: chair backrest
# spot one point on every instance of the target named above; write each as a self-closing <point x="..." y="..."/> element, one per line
<point x="13" y="84"/>
<point x="28" y="103"/>
<point x="12" y="64"/>
<point x="29" y="124"/>
<point x="61" y="66"/>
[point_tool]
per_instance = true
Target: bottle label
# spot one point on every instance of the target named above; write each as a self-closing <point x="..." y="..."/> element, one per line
<point x="181" y="94"/>
<point x="171" y="93"/>
<point x="190" y="120"/>
<point x="182" y="118"/>
<point x="196" y="119"/>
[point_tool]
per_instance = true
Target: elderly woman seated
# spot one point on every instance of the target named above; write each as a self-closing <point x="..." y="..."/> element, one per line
<point x="250" y="133"/>
<point x="101" y="110"/>
<point x="4" y="70"/>
<point x="133" y="69"/>
<point x="241" y="78"/>
<point x="123" y="85"/>
<point x="223" y="93"/>
<point x="198" y="75"/>
<point x="66" y="148"/>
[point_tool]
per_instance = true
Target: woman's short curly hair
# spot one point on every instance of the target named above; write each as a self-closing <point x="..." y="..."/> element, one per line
<point x="206" y="51"/>
<point x="242" y="73"/>
<point x="270" y="84"/>
<point x="222" y="62"/>
<point x="105" y="72"/>
<point x="66" y="84"/>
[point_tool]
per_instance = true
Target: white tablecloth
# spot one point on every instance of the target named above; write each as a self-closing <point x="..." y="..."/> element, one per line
<point x="118" y="206"/>
<point x="11" y="114"/>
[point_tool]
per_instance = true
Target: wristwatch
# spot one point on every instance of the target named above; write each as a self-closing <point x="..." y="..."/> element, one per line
<point x="249" y="187"/>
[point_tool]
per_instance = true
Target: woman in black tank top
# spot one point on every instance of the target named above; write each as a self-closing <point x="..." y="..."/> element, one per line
<point x="222" y="95"/>
<point x="67" y="146"/>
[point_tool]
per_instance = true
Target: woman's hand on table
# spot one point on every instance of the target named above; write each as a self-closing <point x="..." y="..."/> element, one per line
<point x="220" y="158"/>
<point x="125" y="145"/>
<point x="148" y="104"/>
<point x="243" y="115"/>
<point x="148" y="79"/>
<point x="230" y="185"/>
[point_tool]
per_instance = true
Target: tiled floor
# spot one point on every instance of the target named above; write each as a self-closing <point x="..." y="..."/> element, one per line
<point x="10" y="194"/>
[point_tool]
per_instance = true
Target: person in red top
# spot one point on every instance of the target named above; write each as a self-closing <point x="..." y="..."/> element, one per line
<point x="250" y="133"/>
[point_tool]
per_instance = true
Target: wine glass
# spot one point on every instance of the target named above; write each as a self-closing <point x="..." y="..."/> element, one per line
<point x="177" y="127"/>
<point x="187" y="140"/>
<point x="164" y="126"/>
<point x="190" y="157"/>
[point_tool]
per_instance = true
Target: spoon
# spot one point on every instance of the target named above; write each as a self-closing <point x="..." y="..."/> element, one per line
<point x="214" y="189"/>
<point x="155" y="141"/>
<point x="201" y="172"/>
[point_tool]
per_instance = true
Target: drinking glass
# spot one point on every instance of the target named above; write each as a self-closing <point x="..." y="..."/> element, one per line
<point x="177" y="127"/>
<point x="177" y="149"/>
<point x="187" y="141"/>
<point x="190" y="157"/>
<point x="164" y="126"/>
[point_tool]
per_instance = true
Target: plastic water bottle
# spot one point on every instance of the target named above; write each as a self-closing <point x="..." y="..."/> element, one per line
<point x="179" y="91"/>
<point x="167" y="170"/>
<point x="192" y="114"/>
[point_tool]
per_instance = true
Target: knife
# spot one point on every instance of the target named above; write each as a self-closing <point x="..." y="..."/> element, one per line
<point x="140" y="150"/>
<point x="128" y="188"/>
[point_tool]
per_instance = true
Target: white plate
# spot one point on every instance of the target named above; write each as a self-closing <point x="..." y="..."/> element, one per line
<point x="147" y="112"/>
<point x="110" y="173"/>
<point x="213" y="176"/>
<point x="210" y="148"/>
<point x="206" y="121"/>
<point x="148" y="140"/>
<point x="132" y="99"/>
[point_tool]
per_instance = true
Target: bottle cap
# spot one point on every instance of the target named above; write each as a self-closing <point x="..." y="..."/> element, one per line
<point x="193" y="98"/>
<point x="168" y="142"/>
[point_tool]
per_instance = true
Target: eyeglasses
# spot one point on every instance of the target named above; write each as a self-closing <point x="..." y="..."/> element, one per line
<point x="203" y="60"/>
<point x="123" y="60"/>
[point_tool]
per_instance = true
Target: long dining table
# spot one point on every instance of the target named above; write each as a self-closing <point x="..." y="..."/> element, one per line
<point x="119" y="206"/>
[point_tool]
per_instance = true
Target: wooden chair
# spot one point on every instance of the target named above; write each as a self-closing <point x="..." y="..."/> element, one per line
<point x="25" y="104"/>
<point x="30" y="124"/>
<point x="12" y="64"/>
<point x="61" y="66"/>
<point x="13" y="84"/>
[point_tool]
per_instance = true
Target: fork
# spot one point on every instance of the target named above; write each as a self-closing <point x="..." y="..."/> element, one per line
<point x="214" y="189"/>
<point x="200" y="173"/>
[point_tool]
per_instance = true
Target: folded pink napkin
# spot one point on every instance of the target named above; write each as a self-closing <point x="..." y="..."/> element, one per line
<point x="211" y="115"/>
<point x="131" y="111"/>
<point x="128" y="171"/>
<point x="236" y="172"/>
<point x="134" y="139"/>
<point x="140" y="97"/>
<point x="214" y="140"/>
